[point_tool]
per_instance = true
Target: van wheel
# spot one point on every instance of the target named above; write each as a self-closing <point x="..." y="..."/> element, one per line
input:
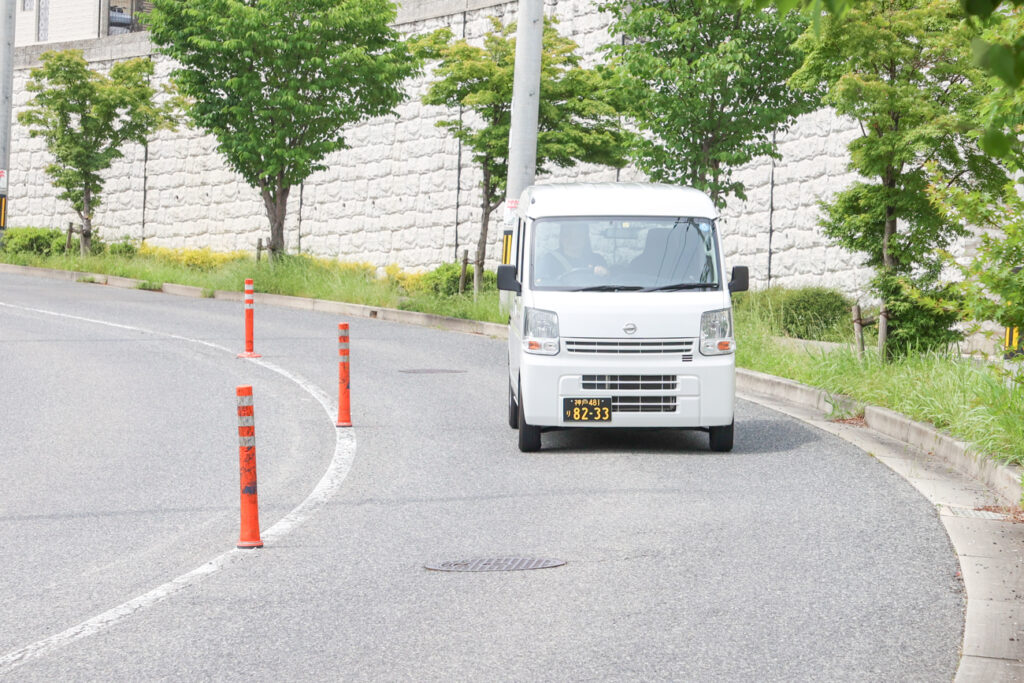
<point x="513" y="409"/>
<point x="721" y="437"/>
<point x="529" y="435"/>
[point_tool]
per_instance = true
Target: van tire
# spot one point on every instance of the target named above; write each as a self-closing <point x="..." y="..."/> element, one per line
<point x="529" y="435"/>
<point x="513" y="409"/>
<point x="721" y="437"/>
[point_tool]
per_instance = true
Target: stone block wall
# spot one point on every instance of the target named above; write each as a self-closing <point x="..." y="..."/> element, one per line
<point x="404" y="192"/>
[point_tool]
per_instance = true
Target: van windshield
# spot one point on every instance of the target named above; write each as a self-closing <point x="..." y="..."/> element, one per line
<point x="624" y="254"/>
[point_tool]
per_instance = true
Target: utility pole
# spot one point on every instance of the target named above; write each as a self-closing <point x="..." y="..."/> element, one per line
<point x="522" y="137"/>
<point x="6" y="96"/>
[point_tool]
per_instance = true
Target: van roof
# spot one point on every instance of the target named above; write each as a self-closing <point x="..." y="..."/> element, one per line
<point x="614" y="199"/>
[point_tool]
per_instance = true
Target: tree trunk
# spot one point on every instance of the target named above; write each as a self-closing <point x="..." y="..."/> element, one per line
<point x="86" y="242"/>
<point x="888" y="268"/>
<point x="276" y="204"/>
<point x="481" y="245"/>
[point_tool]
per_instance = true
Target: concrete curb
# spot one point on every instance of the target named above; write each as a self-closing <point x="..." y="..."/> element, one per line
<point x="1006" y="480"/>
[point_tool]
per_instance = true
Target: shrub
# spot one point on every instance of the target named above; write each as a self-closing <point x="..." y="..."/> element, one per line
<point x="916" y="327"/>
<point x="444" y="279"/>
<point x="810" y="312"/>
<point x="197" y="259"/>
<point x="39" y="241"/>
<point x="123" y="248"/>
<point x="805" y="313"/>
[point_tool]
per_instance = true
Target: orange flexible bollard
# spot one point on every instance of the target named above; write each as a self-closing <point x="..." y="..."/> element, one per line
<point x="249" y="294"/>
<point x="250" y="512"/>
<point x="344" y="408"/>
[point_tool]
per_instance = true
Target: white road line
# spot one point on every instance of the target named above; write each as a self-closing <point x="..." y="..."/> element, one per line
<point x="341" y="463"/>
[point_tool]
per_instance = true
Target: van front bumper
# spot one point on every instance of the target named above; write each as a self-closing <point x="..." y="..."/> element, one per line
<point x="646" y="391"/>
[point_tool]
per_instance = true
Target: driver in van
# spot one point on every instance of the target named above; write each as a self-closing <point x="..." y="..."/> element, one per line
<point x="574" y="253"/>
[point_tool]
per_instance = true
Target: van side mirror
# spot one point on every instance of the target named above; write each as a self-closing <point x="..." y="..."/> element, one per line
<point x="507" y="279"/>
<point x="740" y="281"/>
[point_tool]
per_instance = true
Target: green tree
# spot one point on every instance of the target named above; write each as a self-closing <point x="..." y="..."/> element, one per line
<point x="902" y="69"/>
<point x="991" y="284"/>
<point x="576" y="122"/>
<point x="705" y="82"/>
<point x="999" y="55"/>
<point x="277" y="81"/>
<point x="86" y="118"/>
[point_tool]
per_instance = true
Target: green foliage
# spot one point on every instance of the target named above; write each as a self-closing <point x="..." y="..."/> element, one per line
<point x="973" y="401"/>
<point x="277" y="81"/>
<point x="991" y="284"/>
<point x="444" y="279"/>
<point x="914" y="326"/>
<point x="705" y="83"/>
<point x="576" y="122"/>
<point x="810" y="312"/>
<point x="903" y="70"/>
<point x="86" y="118"/>
<point x="1000" y="54"/>
<point x="40" y="241"/>
<point x="814" y="313"/>
<point x="124" y="247"/>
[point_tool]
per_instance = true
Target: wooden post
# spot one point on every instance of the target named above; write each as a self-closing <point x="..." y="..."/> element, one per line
<point x="259" y="249"/>
<point x="67" y="242"/>
<point x="858" y="332"/>
<point x="462" y="275"/>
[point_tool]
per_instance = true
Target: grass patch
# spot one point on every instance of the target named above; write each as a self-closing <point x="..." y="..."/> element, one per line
<point x="974" y="401"/>
<point x="303" y="276"/>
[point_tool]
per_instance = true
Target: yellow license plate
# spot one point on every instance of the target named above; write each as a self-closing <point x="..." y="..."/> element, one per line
<point x="587" y="409"/>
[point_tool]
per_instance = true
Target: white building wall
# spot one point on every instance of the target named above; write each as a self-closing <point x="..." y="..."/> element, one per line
<point x="73" y="20"/>
<point x="25" y="22"/>
<point x="57" y="21"/>
<point x="403" y="193"/>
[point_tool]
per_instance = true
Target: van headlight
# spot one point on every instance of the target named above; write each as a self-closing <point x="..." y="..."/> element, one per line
<point x="540" y="331"/>
<point x="716" y="332"/>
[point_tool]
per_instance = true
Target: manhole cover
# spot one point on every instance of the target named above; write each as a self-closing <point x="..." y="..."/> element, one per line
<point x="495" y="564"/>
<point x="432" y="371"/>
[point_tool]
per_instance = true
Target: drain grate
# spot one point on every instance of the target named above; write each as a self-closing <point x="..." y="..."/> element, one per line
<point x="495" y="564"/>
<point x="432" y="371"/>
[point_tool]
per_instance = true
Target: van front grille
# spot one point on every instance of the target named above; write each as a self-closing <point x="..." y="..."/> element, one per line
<point x="630" y="382"/>
<point x="631" y="346"/>
<point x="643" y="404"/>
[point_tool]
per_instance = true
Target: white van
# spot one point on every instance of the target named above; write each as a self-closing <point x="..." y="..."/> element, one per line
<point x="620" y="314"/>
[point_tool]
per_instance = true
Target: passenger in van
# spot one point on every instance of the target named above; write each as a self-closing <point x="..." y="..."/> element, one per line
<point x="574" y="253"/>
<point x="668" y="257"/>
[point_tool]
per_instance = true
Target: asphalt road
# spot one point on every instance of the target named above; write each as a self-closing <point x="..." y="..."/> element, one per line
<point x="794" y="557"/>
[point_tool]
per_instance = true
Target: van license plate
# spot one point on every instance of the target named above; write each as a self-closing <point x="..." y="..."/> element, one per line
<point x="587" y="409"/>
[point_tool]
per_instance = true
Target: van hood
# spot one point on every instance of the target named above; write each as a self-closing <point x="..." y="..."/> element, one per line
<point x="607" y="314"/>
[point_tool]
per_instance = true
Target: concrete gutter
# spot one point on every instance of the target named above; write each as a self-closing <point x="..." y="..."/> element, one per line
<point x="989" y="546"/>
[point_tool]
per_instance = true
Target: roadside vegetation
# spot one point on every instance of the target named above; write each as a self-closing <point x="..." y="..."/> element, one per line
<point x="978" y="402"/>
<point x="435" y="291"/>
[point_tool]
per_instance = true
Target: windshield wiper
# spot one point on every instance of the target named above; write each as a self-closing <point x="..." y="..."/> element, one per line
<point x="683" y="285"/>
<point x="609" y="288"/>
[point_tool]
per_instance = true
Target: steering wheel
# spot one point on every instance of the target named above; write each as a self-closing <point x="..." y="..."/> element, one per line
<point x="575" y="271"/>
